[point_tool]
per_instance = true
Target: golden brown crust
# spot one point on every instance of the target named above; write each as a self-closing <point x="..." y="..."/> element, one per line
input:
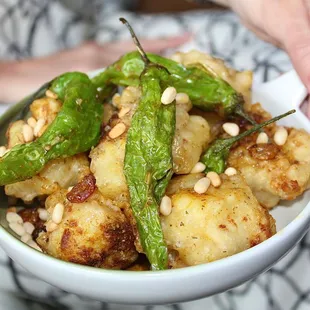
<point x="273" y="172"/>
<point x="45" y="108"/>
<point x="92" y="233"/>
<point x="58" y="173"/>
<point x="222" y="222"/>
<point x="14" y="134"/>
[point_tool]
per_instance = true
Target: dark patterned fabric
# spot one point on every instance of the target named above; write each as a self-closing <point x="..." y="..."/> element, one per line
<point x="30" y="28"/>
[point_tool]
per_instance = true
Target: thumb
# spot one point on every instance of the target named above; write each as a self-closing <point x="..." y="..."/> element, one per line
<point x="300" y="56"/>
<point x="297" y="45"/>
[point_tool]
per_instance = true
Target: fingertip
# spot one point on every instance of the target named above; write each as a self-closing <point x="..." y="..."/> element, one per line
<point x="188" y="35"/>
<point x="180" y="39"/>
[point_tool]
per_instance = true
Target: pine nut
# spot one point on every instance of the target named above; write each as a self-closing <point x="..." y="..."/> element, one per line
<point x="280" y="136"/>
<point x="2" y="151"/>
<point x="123" y="111"/>
<point x="51" y="94"/>
<point x="34" y="245"/>
<point x="199" y="167"/>
<point x="214" y="178"/>
<point x="79" y="101"/>
<point x="17" y="228"/>
<point x="13" y="217"/>
<point x="117" y="130"/>
<point x="230" y="171"/>
<point x="181" y="98"/>
<point x="58" y="213"/>
<point x="39" y="125"/>
<point x="31" y="122"/>
<point x="27" y="133"/>
<point x="51" y="226"/>
<point x="25" y="238"/>
<point x="168" y="95"/>
<point x="262" y="138"/>
<point x="231" y="128"/>
<point x="43" y="214"/>
<point x="70" y="188"/>
<point x="116" y="100"/>
<point x="202" y="185"/>
<point x="29" y="228"/>
<point x="165" y="207"/>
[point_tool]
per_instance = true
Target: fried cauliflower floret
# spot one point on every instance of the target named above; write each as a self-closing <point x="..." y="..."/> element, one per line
<point x="107" y="160"/>
<point x="127" y="103"/>
<point x="241" y="81"/>
<point x="45" y="108"/>
<point x="58" y="173"/>
<point x="206" y="227"/>
<point x="273" y="172"/>
<point x="192" y="136"/>
<point x="93" y="233"/>
<point x="14" y="134"/>
<point x="109" y="111"/>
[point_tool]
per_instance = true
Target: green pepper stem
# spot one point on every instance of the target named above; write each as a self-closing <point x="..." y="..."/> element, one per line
<point x="240" y="112"/>
<point x="257" y="127"/>
<point x="136" y="41"/>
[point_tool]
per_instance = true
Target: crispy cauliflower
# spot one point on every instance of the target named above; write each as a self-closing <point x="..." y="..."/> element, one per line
<point x="192" y="136"/>
<point x="274" y="172"/>
<point x="93" y="233"/>
<point x="47" y="109"/>
<point x="207" y="227"/>
<point x="107" y="160"/>
<point x="58" y="173"/>
<point x="14" y="134"/>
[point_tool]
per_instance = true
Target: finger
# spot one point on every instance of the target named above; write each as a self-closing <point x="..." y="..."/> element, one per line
<point x="151" y="45"/>
<point x="297" y="43"/>
<point x="262" y="35"/>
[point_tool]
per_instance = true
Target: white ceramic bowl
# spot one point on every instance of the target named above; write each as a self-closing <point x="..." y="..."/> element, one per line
<point x="189" y="283"/>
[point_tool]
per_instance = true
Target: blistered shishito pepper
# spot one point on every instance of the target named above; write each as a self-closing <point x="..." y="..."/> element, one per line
<point x="75" y="129"/>
<point x="206" y="91"/>
<point x="216" y="155"/>
<point x="148" y="158"/>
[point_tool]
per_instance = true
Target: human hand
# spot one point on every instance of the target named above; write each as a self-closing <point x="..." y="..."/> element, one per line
<point x="18" y="79"/>
<point x="285" y="23"/>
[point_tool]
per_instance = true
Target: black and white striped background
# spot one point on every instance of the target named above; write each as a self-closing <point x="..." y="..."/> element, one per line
<point x="30" y="28"/>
